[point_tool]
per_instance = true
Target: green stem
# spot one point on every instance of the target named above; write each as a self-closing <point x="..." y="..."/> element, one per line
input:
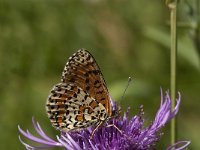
<point x="197" y="37"/>
<point x="173" y="9"/>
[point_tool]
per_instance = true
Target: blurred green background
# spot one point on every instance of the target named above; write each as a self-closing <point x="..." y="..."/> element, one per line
<point x="127" y="38"/>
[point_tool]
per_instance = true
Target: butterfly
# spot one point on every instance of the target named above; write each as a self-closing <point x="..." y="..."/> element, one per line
<point x="81" y="99"/>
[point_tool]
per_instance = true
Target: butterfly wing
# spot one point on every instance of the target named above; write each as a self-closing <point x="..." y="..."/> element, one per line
<point x="83" y="70"/>
<point x="81" y="99"/>
<point x="69" y="108"/>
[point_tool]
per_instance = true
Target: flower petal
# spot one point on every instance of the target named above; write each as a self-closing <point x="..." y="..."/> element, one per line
<point x="183" y="143"/>
<point x="41" y="132"/>
<point x="36" y="139"/>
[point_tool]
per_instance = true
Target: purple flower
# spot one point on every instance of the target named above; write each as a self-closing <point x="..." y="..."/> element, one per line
<point x="118" y="133"/>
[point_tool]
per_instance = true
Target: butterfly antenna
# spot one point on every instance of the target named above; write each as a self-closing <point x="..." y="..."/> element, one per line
<point x="128" y="83"/>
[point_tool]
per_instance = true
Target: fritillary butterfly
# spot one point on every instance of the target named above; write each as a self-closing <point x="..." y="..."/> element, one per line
<point x="82" y="98"/>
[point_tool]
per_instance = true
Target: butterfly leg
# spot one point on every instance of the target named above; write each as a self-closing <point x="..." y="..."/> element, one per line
<point x="113" y="125"/>
<point x="95" y="129"/>
<point x="120" y="131"/>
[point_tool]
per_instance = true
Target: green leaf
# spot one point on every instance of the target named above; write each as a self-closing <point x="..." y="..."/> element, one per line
<point x="186" y="48"/>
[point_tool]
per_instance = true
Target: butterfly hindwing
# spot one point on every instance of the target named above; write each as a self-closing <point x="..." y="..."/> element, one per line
<point x="70" y="108"/>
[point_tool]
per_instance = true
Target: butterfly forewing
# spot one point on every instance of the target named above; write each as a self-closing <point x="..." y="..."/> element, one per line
<point x="83" y="70"/>
<point x="81" y="99"/>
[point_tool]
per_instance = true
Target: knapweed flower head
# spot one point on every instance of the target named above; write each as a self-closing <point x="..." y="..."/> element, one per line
<point x="119" y="133"/>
